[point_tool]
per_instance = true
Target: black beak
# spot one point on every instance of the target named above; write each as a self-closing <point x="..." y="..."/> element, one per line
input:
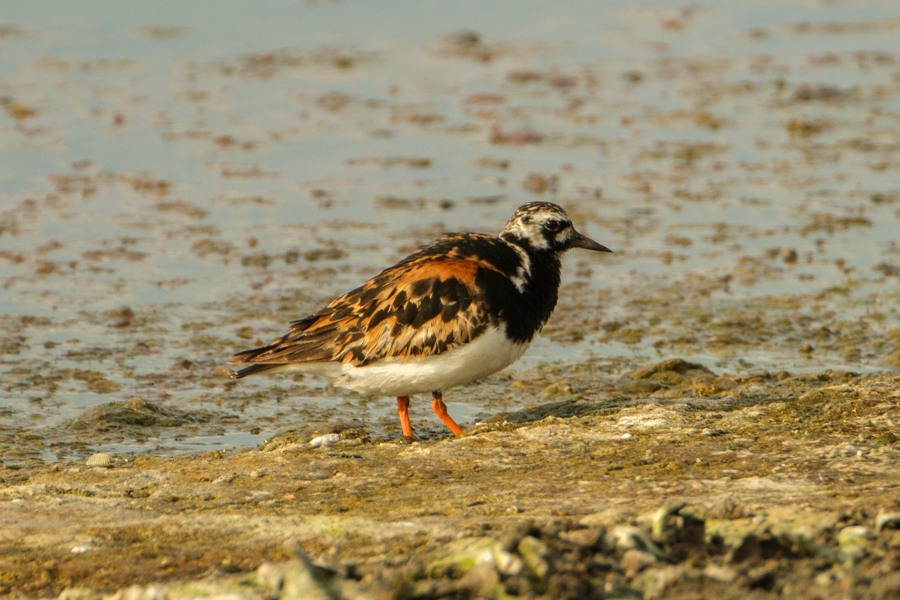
<point x="580" y="241"/>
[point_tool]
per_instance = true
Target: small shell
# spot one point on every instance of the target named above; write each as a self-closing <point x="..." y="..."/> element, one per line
<point x="101" y="459"/>
<point x="328" y="438"/>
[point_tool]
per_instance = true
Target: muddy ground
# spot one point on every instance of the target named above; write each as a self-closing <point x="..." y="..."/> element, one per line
<point x="684" y="483"/>
<point x="712" y="411"/>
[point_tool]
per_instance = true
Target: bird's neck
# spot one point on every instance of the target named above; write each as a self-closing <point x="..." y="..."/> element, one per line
<point x="537" y="281"/>
<point x="542" y="279"/>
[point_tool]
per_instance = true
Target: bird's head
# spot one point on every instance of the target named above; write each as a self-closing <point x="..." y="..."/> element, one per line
<point x="542" y="226"/>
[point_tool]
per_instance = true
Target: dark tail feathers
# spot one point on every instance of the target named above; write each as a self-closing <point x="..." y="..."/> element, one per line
<point x="252" y="370"/>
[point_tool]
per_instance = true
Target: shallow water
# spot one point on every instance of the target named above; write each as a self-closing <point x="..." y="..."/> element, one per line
<point x="220" y="170"/>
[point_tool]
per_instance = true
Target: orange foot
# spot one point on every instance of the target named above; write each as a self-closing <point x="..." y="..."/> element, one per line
<point x="440" y="409"/>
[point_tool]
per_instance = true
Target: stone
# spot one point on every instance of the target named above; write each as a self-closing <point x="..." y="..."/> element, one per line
<point x="139" y="592"/>
<point x="718" y="573"/>
<point x="482" y="579"/>
<point x="584" y="538"/>
<point x="607" y="518"/>
<point x="625" y="537"/>
<point x="635" y="561"/>
<point x="304" y="581"/>
<point x="726" y="507"/>
<point x="654" y="582"/>
<point x="533" y="551"/>
<point x="462" y="555"/>
<point x="753" y="548"/>
<point x="77" y="593"/>
<point x="887" y="520"/>
<point x="270" y="577"/>
<point x="854" y="542"/>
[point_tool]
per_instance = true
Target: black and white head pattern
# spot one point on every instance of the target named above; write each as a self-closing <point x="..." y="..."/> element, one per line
<point x="540" y="226"/>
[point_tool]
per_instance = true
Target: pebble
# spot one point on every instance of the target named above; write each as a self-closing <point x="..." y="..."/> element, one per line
<point x="302" y="581"/>
<point x="854" y="541"/>
<point x="723" y="574"/>
<point x="661" y="517"/>
<point x="585" y="538"/>
<point x="77" y="593"/>
<point x="270" y="577"/>
<point x="855" y="534"/>
<point x="627" y="537"/>
<point x="713" y="432"/>
<point x="506" y="563"/>
<point x="605" y="518"/>
<point x="228" y="478"/>
<point x="726" y="507"/>
<point x="137" y="592"/>
<point x="627" y="436"/>
<point x="482" y="578"/>
<point x="886" y="520"/>
<point x="328" y="438"/>
<point x="533" y="551"/>
<point x="825" y="579"/>
<point x="635" y="561"/>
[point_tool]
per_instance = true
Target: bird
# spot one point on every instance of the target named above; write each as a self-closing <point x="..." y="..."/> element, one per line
<point x="454" y="311"/>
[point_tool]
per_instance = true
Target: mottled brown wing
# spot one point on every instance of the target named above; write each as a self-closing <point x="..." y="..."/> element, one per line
<point x="423" y="306"/>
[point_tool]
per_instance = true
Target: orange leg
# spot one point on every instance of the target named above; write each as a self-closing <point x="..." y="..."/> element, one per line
<point x="403" y="409"/>
<point x="440" y="409"/>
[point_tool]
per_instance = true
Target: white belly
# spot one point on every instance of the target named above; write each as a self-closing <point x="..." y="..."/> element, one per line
<point x="487" y="354"/>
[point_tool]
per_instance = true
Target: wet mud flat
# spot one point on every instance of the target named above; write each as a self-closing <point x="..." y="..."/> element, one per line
<point x="682" y="483"/>
<point x="170" y="195"/>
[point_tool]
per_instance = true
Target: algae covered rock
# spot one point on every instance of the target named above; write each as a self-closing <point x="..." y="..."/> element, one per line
<point x="136" y="412"/>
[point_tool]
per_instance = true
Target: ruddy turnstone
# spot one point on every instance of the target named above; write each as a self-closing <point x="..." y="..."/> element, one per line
<point x="454" y="311"/>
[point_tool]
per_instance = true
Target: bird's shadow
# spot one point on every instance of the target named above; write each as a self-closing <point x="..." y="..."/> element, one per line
<point x="562" y="410"/>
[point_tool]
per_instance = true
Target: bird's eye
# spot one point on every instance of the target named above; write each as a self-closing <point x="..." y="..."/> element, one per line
<point x="552" y="225"/>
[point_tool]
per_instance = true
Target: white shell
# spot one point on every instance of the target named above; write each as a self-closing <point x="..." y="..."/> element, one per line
<point x="101" y="459"/>
<point x="328" y="438"/>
